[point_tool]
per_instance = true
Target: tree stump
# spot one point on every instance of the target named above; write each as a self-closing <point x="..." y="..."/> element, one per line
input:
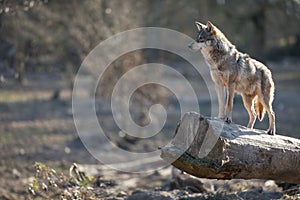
<point x="210" y="148"/>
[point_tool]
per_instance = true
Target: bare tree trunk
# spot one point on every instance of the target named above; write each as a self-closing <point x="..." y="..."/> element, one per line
<point x="209" y="148"/>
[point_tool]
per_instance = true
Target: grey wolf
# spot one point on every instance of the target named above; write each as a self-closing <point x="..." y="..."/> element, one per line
<point x="236" y="72"/>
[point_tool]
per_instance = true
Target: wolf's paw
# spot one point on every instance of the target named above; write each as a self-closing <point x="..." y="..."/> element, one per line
<point x="271" y="132"/>
<point x="222" y="116"/>
<point x="228" y="120"/>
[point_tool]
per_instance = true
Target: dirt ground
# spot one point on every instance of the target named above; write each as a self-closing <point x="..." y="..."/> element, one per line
<point x="36" y="126"/>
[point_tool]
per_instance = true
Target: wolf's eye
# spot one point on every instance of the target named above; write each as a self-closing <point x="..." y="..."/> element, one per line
<point x="200" y="39"/>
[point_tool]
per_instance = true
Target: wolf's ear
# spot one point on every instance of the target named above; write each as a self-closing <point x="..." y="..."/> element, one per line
<point x="210" y="27"/>
<point x="199" y="25"/>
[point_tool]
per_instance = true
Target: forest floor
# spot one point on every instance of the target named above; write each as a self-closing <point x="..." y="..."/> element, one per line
<point x="38" y="126"/>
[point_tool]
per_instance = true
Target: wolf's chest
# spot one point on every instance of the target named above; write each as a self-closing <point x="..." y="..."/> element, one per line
<point x="220" y="77"/>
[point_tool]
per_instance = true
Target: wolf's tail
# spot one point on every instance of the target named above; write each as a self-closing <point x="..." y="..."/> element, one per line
<point x="259" y="109"/>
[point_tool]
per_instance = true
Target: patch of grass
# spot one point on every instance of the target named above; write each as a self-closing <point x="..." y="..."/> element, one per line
<point x="6" y="137"/>
<point x="14" y="96"/>
<point x="48" y="183"/>
<point x="12" y="136"/>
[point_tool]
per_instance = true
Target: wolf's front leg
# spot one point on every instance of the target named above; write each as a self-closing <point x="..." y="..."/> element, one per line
<point x="221" y="99"/>
<point x="229" y="103"/>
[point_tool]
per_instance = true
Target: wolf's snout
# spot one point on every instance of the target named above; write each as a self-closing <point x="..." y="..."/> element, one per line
<point x="190" y="45"/>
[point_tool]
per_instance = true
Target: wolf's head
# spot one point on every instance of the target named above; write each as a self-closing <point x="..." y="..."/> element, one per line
<point x="206" y="36"/>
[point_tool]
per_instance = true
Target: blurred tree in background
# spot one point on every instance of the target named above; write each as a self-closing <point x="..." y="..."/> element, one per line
<point x="55" y="36"/>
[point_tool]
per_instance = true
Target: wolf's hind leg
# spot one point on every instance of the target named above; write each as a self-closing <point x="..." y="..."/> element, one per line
<point x="271" y="115"/>
<point x="267" y="100"/>
<point x="249" y="105"/>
